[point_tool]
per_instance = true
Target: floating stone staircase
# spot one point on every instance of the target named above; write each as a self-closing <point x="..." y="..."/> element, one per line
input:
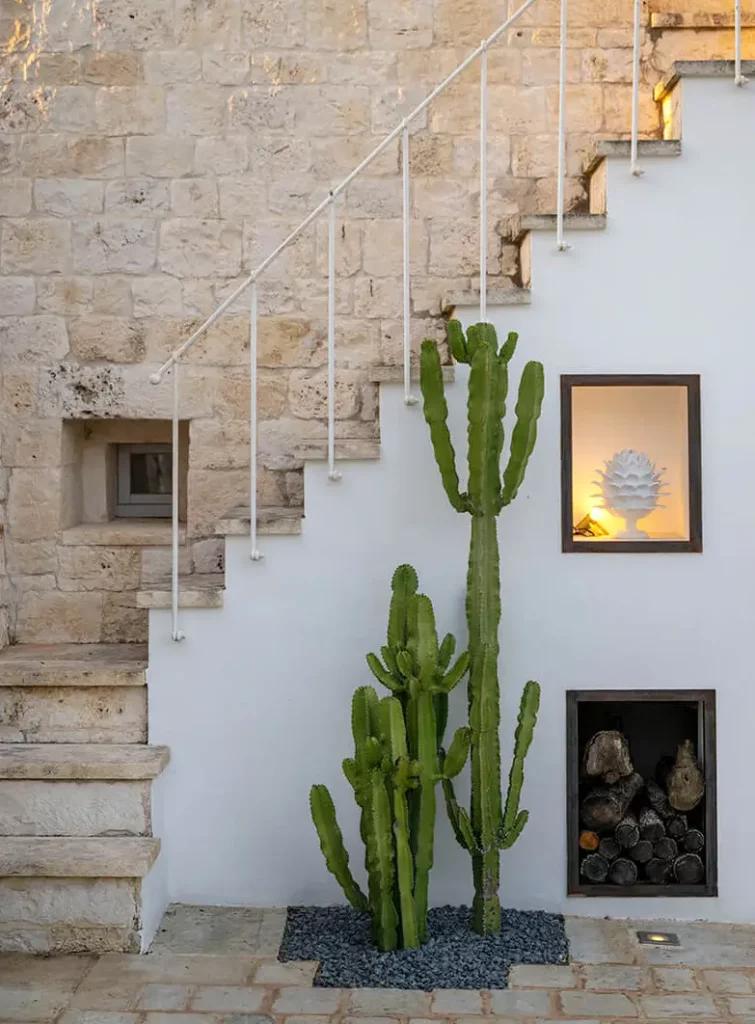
<point x="76" y="769"/>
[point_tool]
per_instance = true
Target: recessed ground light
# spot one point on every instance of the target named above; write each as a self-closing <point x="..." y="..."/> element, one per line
<point x="658" y="939"/>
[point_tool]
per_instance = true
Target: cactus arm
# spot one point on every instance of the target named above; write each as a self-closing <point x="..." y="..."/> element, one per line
<point x="508" y="348"/>
<point x="382" y="674"/>
<point x="381" y="865"/>
<point x="525" y="727"/>
<point x="446" y="651"/>
<point x="331" y="844"/>
<point x="436" y="415"/>
<point x="363" y="707"/>
<point x="403" y="585"/>
<point x="485" y="431"/>
<point x="389" y="657"/>
<point x="428" y="762"/>
<point x="457" y="754"/>
<point x="404" y="870"/>
<point x="508" y="839"/>
<point x="528" y="406"/>
<point x="455" y="674"/>
<point x="459" y="818"/>
<point x="457" y="342"/>
<point x="422" y="624"/>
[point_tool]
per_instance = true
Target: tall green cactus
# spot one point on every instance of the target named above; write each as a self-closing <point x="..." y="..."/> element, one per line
<point x="488" y="828"/>
<point x="398" y="761"/>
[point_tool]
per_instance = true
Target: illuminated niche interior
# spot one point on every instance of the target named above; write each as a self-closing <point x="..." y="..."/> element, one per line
<point x="650" y="419"/>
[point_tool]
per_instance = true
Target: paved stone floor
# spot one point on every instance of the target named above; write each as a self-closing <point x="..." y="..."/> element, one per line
<point x="217" y="966"/>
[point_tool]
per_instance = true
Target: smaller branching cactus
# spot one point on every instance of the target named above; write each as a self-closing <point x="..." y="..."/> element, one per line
<point x="398" y="761"/>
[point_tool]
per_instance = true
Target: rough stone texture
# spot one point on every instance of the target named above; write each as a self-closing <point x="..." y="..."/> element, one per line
<point x="38" y="808"/>
<point x="92" y="714"/>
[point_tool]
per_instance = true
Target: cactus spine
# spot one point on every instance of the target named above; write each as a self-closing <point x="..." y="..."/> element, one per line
<point x="398" y="761"/>
<point x="488" y="828"/>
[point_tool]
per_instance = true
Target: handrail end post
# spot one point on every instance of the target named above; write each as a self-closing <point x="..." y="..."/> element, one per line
<point x="334" y="475"/>
<point x="178" y="634"/>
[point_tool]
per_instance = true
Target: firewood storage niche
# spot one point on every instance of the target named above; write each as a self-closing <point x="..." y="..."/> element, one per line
<point x="641" y="792"/>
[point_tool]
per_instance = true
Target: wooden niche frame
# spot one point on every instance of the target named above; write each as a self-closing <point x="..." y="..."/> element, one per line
<point x="692" y="383"/>
<point x="705" y="705"/>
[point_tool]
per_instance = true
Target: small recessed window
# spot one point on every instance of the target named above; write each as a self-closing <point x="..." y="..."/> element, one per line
<point x="145" y="474"/>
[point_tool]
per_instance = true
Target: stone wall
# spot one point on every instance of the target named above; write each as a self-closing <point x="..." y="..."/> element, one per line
<point x="153" y="150"/>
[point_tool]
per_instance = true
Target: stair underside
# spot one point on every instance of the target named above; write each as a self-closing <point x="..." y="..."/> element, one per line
<point x="73" y="665"/>
<point x="82" y="761"/>
<point x="86" y="857"/>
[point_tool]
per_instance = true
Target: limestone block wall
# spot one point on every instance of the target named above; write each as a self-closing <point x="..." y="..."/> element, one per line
<point x="151" y="151"/>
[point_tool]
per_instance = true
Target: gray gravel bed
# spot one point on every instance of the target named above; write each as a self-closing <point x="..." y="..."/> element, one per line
<point x="453" y="957"/>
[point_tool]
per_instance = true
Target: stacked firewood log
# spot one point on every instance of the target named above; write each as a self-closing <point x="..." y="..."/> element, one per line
<point x="635" y="829"/>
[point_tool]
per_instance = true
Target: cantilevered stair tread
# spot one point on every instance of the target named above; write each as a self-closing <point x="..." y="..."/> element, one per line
<point x="495" y="297"/>
<point x="700" y="19"/>
<point x="646" y="149"/>
<point x="700" y="69"/>
<point x="199" y="590"/>
<point x="283" y="521"/>
<point x="572" y="222"/>
<point x="73" y="665"/>
<point x="85" y="857"/>
<point x="82" y="761"/>
<point x="395" y="374"/>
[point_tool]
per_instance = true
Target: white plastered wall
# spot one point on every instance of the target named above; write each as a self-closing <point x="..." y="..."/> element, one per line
<point x="255" y="702"/>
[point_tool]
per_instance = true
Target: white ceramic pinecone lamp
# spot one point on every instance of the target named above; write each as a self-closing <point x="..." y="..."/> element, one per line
<point x="630" y="488"/>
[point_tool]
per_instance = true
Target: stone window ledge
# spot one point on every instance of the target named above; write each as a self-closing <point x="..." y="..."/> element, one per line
<point x="123" y="533"/>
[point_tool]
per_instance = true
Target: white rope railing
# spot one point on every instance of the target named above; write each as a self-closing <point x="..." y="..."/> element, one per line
<point x="634" y="145"/>
<point x="739" y="78"/>
<point x="254" y="552"/>
<point x="333" y="473"/>
<point x="409" y="398"/>
<point x="561" y="243"/>
<point x="484" y="182"/>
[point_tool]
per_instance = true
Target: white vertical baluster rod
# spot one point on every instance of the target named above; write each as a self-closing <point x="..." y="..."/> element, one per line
<point x="254" y="552"/>
<point x="176" y="632"/>
<point x="409" y="398"/>
<point x="633" y="165"/>
<point x="561" y="244"/>
<point x="739" y="78"/>
<point x="484" y="182"/>
<point x="333" y="473"/>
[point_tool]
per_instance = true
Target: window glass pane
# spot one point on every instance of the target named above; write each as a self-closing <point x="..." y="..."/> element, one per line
<point x="151" y="472"/>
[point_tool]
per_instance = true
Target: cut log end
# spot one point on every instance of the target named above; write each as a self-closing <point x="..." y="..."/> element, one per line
<point x="689" y="869"/>
<point x="642" y="851"/>
<point x="627" y="832"/>
<point x="609" y="848"/>
<point x="589" y="841"/>
<point x="658" y="871"/>
<point x="594" y="868"/>
<point x="623" y="871"/>
<point x="651" y="825"/>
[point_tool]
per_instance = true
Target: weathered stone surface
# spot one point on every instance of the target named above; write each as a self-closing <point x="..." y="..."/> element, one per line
<point x="110" y="245"/>
<point x="102" y="68"/>
<point x="34" y="503"/>
<point x="164" y="997"/>
<point x="159" y="156"/>
<point x="541" y="976"/>
<point x="520" y="1003"/>
<point x="448" y="1002"/>
<point x="166" y="67"/>
<point x="77" y="857"/>
<point x="32" y="338"/>
<point x="40" y="808"/>
<point x="90" y="714"/>
<point x="55" y="617"/>
<point x="681" y="1006"/>
<point x="242" y="196"/>
<point x="626" y="979"/>
<point x="199" y="109"/>
<point x="144" y="26"/>
<point x="31" y="442"/>
<point x="221" y="155"/>
<point x="99" y="568"/>
<point x="674" y="979"/>
<point x="17" y="296"/>
<point x="31" y="558"/>
<point x="595" y="1004"/>
<point x="324" y="1000"/>
<point x="158" y="295"/>
<point x="225" y="68"/>
<point x="96" y="337"/>
<point x="191" y="247"/>
<point x="194" y="197"/>
<point x="137" y="196"/>
<point x="38" y="246"/>
<point x="15" y="198"/>
<point x="215" y="998"/>
<point x="68" y="296"/>
<point x="72" y="761"/>
<point x="64" y="197"/>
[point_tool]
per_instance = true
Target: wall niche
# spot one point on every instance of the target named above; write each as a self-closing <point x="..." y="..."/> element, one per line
<point x="630" y="463"/>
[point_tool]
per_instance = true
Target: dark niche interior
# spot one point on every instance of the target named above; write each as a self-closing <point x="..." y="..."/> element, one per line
<point x="641" y="793"/>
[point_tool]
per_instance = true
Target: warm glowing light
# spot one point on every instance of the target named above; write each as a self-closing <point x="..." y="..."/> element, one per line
<point x="658" y="938"/>
<point x="597" y="514"/>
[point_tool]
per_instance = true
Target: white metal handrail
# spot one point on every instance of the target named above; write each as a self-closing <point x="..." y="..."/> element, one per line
<point x="402" y="130"/>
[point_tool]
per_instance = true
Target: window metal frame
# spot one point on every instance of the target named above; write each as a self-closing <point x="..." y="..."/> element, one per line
<point x="129" y="503"/>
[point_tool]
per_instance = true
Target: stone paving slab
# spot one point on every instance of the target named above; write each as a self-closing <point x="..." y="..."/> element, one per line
<point x="218" y="987"/>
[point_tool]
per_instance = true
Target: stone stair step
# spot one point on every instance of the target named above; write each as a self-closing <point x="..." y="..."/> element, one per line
<point x="646" y="148"/>
<point x="82" y="761"/>
<point x="196" y="591"/>
<point x="133" y="533"/>
<point x="699" y="19"/>
<point x="700" y="69"/>
<point x="496" y="297"/>
<point x="77" y="857"/>
<point x="271" y="522"/>
<point x="73" y="665"/>
<point x="395" y="374"/>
